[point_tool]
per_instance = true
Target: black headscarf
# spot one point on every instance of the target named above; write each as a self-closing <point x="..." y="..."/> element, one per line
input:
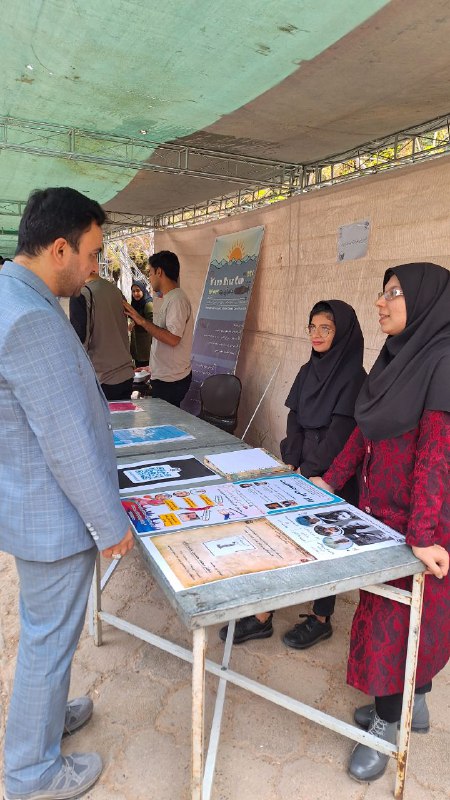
<point x="139" y="305"/>
<point x="329" y="383"/>
<point x="412" y="372"/>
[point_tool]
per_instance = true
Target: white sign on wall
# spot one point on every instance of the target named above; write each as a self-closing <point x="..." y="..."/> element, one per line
<point x="353" y="240"/>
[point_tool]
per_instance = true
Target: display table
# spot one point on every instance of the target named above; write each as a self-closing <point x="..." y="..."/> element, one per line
<point x="228" y="600"/>
<point x="158" y="412"/>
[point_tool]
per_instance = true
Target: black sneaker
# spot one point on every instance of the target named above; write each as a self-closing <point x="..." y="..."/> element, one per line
<point x="307" y="633"/>
<point x="249" y="628"/>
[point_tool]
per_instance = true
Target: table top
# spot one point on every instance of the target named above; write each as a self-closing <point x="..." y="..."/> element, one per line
<point x="159" y="412"/>
<point x="221" y="601"/>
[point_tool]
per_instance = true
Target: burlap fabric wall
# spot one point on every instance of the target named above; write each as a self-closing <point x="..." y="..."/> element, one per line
<point x="408" y="211"/>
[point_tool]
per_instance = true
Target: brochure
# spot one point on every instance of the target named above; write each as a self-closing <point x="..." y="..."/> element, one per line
<point x="149" y="474"/>
<point x="128" y="437"/>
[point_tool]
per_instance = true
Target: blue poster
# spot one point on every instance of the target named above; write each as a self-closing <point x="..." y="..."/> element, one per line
<point x="223" y="308"/>
<point x="127" y="437"/>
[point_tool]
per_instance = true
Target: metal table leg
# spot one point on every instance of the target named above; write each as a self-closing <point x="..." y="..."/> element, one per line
<point x="97" y="603"/>
<point x="410" y="676"/>
<point x="198" y="710"/>
<point x="210" y="763"/>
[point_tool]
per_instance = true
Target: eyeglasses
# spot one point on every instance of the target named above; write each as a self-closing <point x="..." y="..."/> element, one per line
<point x="391" y="294"/>
<point x="323" y="330"/>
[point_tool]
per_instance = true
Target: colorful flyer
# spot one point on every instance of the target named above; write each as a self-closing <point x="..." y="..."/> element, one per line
<point x="120" y="408"/>
<point x="150" y="474"/>
<point x="187" y="508"/>
<point x="281" y="493"/>
<point x="155" y="434"/>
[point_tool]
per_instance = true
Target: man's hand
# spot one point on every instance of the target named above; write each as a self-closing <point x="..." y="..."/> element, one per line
<point x="132" y="313"/>
<point x="435" y="558"/>
<point x="121" y="548"/>
<point x="321" y="484"/>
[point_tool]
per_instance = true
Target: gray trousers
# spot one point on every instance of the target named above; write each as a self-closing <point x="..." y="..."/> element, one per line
<point x="52" y="607"/>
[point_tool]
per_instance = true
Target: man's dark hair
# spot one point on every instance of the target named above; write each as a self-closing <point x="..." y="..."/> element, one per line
<point x="54" y="213"/>
<point x="168" y="262"/>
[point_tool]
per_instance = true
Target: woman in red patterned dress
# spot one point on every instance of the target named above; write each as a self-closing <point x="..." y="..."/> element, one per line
<point x="402" y="445"/>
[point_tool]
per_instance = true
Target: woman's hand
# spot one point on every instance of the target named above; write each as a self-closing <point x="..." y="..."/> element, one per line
<point x="321" y="484"/>
<point x="435" y="558"/>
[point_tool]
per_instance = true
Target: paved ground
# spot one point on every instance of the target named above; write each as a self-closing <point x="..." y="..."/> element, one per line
<point x="141" y="724"/>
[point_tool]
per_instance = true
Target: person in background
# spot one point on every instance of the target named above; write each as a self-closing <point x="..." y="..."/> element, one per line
<point x="140" y="338"/>
<point x="402" y="444"/>
<point x="321" y="407"/>
<point x="172" y="331"/>
<point x="98" y="318"/>
<point x="59" y="487"/>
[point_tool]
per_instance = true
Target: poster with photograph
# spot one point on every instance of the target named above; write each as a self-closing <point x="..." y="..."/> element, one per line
<point x="337" y="531"/>
<point x="150" y="474"/>
<point x="224" y="502"/>
<point x="223" y="551"/>
<point x="276" y="494"/>
<point x="154" y="434"/>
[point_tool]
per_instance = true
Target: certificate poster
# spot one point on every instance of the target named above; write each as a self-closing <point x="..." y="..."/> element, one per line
<point x="225" y="502"/>
<point x="341" y="530"/>
<point x="128" y="437"/>
<point x="223" y="551"/>
<point x="144" y="475"/>
<point x="121" y="407"/>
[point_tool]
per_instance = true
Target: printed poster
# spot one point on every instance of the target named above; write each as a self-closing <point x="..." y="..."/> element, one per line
<point x="353" y="240"/>
<point x="129" y="437"/>
<point x="223" y="308"/>
<point x="145" y="475"/>
<point x="337" y="531"/>
<point x="223" y="551"/>
<point x="193" y="558"/>
<point x="121" y="407"/>
<point x="225" y="502"/>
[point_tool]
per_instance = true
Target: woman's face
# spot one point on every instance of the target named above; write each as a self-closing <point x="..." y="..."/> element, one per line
<point x="322" y="332"/>
<point x="137" y="293"/>
<point x="392" y="312"/>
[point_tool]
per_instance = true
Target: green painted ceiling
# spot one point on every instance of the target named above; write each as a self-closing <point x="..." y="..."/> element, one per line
<point x="171" y="68"/>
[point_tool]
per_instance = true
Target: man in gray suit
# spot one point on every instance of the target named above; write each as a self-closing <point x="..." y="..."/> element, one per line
<point x="58" y="481"/>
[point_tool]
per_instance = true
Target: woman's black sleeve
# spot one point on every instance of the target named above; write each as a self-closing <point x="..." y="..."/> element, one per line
<point x="291" y="447"/>
<point x="319" y="459"/>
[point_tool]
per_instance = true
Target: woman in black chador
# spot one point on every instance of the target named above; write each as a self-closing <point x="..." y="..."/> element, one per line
<point x="321" y="407"/>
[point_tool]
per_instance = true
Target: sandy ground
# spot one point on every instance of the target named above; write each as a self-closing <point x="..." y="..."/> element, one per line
<point x="141" y="723"/>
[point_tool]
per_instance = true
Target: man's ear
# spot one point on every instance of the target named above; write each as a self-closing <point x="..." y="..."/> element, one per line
<point x="59" y="249"/>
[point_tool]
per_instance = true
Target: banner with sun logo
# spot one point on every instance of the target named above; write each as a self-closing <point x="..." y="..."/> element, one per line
<point x="223" y="308"/>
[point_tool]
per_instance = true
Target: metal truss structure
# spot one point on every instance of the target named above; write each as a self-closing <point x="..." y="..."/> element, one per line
<point x="76" y="144"/>
<point x="265" y="181"/>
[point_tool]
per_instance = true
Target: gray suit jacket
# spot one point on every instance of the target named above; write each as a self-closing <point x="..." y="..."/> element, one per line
<point x="58" y="473"/>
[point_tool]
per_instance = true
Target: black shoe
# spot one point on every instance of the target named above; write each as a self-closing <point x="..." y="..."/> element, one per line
<point x="307" y="633"/>
<point x="249" y="628"/>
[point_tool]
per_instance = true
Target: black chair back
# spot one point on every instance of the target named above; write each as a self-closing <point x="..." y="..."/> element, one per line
<point x="220" y="395"/>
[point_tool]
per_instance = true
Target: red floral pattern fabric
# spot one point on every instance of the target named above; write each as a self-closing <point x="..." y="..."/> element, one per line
<point x="405" y="484"/>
